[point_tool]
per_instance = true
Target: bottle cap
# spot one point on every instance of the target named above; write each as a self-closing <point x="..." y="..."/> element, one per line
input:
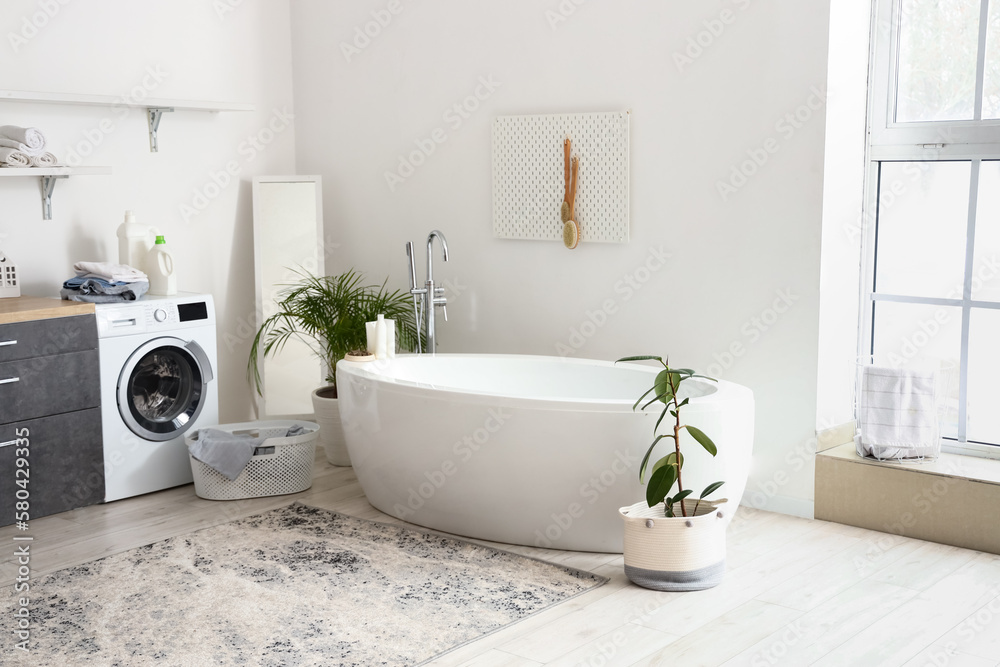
<point x="129" y="216"/>
<point x="160" y="240"/>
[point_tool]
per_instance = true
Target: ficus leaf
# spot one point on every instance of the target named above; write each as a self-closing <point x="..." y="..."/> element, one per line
<point x="658" y="398"/>
<point x="659" y="485"/>
<point x="680" y="496"/>
<point x="659" y="464"/>
<point x="671" y="459"/>
<point x="639" y="400"/>
<point x="642" y="357"/>
<point x="703" y="440"/>
<point x="663" y="389"/>
<point x="683" y="403"/>
<point x="711" y="488"/>
<point x="662" y="415"/>
<point x="645" y="459"/>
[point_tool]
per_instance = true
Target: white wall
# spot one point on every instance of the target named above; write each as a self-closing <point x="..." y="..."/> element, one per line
<point x="844" y="174"/>
<point x="691" y="124"/>
<point x="201" y="51"/>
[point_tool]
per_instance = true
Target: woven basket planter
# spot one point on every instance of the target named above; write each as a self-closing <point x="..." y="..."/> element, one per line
<point x="678" y="553"/>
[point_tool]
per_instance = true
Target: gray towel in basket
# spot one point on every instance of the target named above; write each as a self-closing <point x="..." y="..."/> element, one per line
<point x="229" y="453"/>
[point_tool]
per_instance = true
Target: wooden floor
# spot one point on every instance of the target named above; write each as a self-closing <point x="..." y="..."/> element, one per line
<point x="797" y="592"/>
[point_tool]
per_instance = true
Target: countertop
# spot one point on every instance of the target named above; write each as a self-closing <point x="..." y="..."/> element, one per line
<point x="28" y="308"/>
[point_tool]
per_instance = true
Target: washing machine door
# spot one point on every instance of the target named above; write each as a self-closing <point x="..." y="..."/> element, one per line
<point x="161" y="389"/>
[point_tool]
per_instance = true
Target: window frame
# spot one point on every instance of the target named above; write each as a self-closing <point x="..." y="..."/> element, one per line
<point x="973" y="141"/>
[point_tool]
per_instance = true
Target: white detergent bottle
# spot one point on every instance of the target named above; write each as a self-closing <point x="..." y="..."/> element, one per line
<point x="134" y="242"/>
<point x="160" y="269"/>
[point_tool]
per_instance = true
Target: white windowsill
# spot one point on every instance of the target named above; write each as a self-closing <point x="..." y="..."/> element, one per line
<point x="947" y="465"/>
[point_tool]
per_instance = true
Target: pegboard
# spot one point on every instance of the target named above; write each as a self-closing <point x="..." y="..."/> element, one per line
<point x="528" y="176"/>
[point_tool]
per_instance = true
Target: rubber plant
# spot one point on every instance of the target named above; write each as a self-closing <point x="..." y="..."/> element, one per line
<point x="329" y="314"/>
<point x="667" y="471"/>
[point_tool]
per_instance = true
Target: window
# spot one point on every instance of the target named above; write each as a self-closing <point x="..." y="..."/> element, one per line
<point x="932" y="257"/>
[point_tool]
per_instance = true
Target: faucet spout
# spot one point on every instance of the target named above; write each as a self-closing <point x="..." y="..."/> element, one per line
<point x="427" y="298"/>
<point x="430" y="251"/>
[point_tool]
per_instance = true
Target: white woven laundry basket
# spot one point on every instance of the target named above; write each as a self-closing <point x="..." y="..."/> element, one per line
<point x="675" y="553"/>
<point x="279" y="465"/>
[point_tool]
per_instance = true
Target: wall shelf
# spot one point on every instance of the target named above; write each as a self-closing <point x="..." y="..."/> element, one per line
<point x="47" y="179"/>
<point x="155" y="107"/>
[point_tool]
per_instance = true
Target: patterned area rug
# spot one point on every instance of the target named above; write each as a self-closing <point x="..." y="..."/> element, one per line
<point x="293" y="586"/>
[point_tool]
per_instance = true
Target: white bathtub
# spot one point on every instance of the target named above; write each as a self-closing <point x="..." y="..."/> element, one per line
<point x="538" y="451"/>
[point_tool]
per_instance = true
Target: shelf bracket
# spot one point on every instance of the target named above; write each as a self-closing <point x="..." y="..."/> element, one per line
<point x="154" y="114"/>
<point x="48" y="184"/>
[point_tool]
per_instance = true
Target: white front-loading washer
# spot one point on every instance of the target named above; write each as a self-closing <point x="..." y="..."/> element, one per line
<point x="158" y="381"/>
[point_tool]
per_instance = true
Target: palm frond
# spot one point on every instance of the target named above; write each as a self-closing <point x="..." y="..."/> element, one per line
<point x="329" y="314"/>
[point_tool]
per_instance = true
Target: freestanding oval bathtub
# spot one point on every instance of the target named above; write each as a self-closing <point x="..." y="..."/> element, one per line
<point x="539" y="451"/>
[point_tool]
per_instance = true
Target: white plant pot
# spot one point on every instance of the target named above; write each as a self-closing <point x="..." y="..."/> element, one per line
<point x="678" y="553"/>
<point x="331" y="433"/>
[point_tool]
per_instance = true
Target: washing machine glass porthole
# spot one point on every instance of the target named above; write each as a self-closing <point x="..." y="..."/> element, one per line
<point x="163" y="393"/>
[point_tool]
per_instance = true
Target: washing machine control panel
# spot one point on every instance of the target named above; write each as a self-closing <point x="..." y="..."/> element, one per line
<point x="153" y="315"/>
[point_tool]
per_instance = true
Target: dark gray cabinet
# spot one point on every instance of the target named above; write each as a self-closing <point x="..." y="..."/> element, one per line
<point x="50" y="394"/>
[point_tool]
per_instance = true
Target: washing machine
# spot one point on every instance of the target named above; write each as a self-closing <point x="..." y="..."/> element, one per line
<point x="158" y="381"/>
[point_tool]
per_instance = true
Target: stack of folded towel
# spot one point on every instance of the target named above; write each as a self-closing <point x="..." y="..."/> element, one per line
<point x="101" y="282"/>
<point x="24" y="147"/>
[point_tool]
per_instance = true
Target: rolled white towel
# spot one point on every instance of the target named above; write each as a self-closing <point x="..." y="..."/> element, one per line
<point x="14" y="158"/>
<point x="111" y="272"/>
<point x="30" y="137"/>
<point x="44" y="159"/>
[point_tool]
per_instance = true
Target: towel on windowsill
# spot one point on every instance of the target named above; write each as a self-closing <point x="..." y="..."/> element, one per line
<point x="897" y="413"/>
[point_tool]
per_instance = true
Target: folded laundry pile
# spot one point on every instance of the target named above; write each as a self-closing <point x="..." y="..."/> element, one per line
<point x="229" y="453"/>
<point x="101" y="282"/>
<point x="24" y="147"/>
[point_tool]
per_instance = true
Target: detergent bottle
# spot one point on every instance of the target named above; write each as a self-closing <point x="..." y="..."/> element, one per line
<point x="159" y="266"/>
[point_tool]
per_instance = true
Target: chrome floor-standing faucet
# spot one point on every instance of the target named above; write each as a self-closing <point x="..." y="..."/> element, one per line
<point x="426" y="299"/>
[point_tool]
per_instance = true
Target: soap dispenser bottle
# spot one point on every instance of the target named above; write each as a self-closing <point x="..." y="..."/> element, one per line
<point x="160" y="269"/>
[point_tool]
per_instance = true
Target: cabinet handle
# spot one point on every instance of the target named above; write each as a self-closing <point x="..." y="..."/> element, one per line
<point x="10" y="380"/>
<point x="8" y="444"/>
<point x="5" y="343"/>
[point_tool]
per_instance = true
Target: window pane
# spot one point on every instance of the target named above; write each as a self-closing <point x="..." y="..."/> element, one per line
<point x="922" y="223"/>
<point x="984" y="367"/>
<point x="915" y="335"/>
<point x="938" y="44"/>
<point x="991" y="81"/>
<point x="986" y="261"/>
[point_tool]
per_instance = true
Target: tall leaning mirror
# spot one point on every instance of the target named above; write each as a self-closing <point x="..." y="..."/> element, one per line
<point x="288" y="238"/>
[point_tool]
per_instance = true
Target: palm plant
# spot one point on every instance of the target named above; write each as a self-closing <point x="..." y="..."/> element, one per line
<point x="329" y="313"/>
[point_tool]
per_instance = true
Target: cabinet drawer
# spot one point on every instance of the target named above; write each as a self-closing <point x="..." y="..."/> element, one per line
<point x="44" y="386"/>
<point x="65" y="464"/>
<point x="42" y="338"/>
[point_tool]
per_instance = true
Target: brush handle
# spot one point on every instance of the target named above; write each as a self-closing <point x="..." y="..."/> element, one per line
<point x="572" y="189"/>
<point x="566" y="153"/>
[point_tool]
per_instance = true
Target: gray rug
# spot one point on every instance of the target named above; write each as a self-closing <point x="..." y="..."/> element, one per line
<point x="293" y="586"/>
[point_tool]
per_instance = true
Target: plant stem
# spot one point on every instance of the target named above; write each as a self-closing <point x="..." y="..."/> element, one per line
<point x="677" y="439"/>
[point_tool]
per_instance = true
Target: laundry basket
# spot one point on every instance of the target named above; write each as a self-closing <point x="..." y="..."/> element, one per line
<point x="279" y="465"/>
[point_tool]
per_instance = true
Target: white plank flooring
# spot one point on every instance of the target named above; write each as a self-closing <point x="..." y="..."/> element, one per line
<point x="797" y="592"/>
